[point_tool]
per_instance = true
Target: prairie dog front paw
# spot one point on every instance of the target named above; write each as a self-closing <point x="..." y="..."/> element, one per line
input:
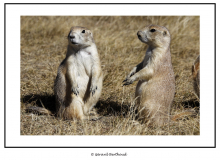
<point x="93" y="88"/>
<point x="133" y="71"/>
<point x="75" y="90"/>
<point x="128" y="81"/>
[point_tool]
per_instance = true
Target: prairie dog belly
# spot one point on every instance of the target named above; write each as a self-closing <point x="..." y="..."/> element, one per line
<point x="84" y="70"/>
<point x="85" y="62"/>
<point x="82" y="81"/>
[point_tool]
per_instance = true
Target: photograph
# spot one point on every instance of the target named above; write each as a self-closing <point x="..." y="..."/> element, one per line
<point x="109" y="75"/>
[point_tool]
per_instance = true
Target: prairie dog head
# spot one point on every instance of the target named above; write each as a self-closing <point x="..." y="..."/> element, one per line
<point x="154" y="36"/>
<point x="80" y="37"/>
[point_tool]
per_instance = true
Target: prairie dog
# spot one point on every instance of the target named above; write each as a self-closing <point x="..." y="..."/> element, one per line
<point x="79" y="78"/>
<point x="196" y="76"/>
<point x="156" y="82"/>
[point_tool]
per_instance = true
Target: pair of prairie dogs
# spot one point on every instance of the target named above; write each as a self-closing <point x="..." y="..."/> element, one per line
<point x="79" y="79"/>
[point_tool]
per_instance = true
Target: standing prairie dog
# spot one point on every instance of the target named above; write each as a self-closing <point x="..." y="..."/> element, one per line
<point x="79" y="78"/>
<point x="196" y="76"/>
<point x="156" y="83"/>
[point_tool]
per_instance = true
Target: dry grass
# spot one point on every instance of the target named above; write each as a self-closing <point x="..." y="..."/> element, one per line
<point x="43" y="47"/>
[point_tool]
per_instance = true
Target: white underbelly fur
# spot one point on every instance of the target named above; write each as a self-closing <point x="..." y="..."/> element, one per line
<point x="84" y="69"/>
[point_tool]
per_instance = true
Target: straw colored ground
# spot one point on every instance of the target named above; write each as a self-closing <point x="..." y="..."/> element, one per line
<point x="43" y="47"/>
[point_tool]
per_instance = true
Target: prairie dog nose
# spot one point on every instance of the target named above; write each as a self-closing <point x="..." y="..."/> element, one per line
<point x="139" y="34"/>
<point x="72" y="36"/>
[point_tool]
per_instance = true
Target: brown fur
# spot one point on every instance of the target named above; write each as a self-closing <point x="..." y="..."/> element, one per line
<point x="196" y="76"/>
<point x="156" y="83"/>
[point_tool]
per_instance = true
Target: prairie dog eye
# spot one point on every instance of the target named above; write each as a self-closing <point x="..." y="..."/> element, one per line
<point x="83" y="31"/>
<point x="152" y="30"/>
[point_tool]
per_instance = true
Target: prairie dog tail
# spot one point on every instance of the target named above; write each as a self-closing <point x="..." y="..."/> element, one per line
<point x="38" y="110"/>
<point x="183" y="114"/>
